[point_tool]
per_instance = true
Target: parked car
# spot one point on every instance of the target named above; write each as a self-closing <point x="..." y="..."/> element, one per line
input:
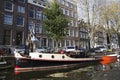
<point x="20" y="49"/>
<point x="41" y="49"/>
<point x="83" y="52"/>
<point x="101" y="49"/>
<point x="69" y="48"/>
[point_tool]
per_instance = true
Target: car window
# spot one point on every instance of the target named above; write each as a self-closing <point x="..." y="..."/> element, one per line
<point x="20" y="47"/>
<point x="39" y="47"/>
<point x="101" y="47"/>
<point x="70" y="47"/>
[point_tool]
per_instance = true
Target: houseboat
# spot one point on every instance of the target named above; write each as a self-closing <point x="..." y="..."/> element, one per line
<point x="45" y="61"/>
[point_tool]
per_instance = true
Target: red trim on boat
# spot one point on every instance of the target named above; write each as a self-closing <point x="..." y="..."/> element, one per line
<point x="16" y="67"/>
<point x="105" y="58"/>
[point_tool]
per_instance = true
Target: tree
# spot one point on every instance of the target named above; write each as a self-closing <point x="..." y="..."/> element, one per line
<point x="91" y="13"/>
<point x="110" y="18"/>
<point x="55" y="22"/>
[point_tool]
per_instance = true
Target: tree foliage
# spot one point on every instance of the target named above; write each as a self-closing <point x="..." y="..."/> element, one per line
<point x="55" y="23"/>
<point x="110" y="18"/>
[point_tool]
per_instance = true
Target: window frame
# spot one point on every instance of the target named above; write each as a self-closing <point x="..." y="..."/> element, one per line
<point x="38" y="15"/>
<point x="20" y="21"/>
<point x="21" y="1"/>
<point x="8" y="19"/>
<point x="33" y="13"/>
<point x="5" y="6"/>
<point x="38" y="28"/>
<point x="20" y="9"/>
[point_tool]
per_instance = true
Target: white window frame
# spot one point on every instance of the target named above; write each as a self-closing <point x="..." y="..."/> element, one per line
<point x="21" y="9"/>
<point x="8" y="9"/>
<point x="9" y="19"/>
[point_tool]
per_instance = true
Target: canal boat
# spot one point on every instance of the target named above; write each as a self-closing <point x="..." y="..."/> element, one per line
<point x="33" y="60"/>
<point x="44" y="61"/>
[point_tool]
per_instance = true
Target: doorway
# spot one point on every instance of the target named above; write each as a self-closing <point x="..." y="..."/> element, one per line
<point x="19" y="38"/>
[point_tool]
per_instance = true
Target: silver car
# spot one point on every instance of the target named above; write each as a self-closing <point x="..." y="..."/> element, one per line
<point x="41" y="49"/>
<point x="20" y="49"/>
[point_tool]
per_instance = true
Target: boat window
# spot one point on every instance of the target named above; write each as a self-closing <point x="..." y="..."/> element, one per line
<point x="63" y="57"/>
<point x="40" y="56"/>
<point x="52" y="56"/>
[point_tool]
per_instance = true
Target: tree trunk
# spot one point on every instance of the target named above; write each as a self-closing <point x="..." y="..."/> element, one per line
<point x="118" y="35"/>
<point x="56" y="46"/>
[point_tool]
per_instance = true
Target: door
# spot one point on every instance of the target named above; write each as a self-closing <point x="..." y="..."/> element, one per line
<point x="19" y="38"/>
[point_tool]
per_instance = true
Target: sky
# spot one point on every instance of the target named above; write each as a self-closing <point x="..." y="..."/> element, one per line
<point x="81" y="7"/>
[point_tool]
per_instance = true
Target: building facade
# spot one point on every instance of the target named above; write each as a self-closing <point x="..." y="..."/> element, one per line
<point x="69" y="8"/>
<point x="35" y="19"/>
<point x="13" y="22"/>
<point x="18" y="17"/>
<point x="84" y="40"/>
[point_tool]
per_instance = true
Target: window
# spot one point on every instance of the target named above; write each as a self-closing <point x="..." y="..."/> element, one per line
<point x="23" y="1"/>
<point x="71" y="23"/>
<point x="66" y="12"/>
<point x="7" y="37"/>
<point x="62" y="2"/>
<point x="8" y="19"/>
<point x="72" y="33"/>
<point x="70" y="13"/>
<point x="8" y="6"/>
<point x="38" y="28"/>
<point x="74" y="15"/>
<point x="63" y="10"/>
<point x="21" y="9"/>
<point x="31" y="27"/>
<point x="20" y="20"/>
<point x="31" y="13"/>
<point x="67" y="42"/>
<point x="44" y="17"/>
<point x="67" y="4"/>
<point x="76" y="33"/>
<point x="70" y="4"/>
<point x="38" y="15"/>
<point x="35" y="1"/>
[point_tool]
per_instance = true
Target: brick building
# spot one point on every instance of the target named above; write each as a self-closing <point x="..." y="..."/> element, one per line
<point x="13" y="22"/>
<point x="17" y="17"/>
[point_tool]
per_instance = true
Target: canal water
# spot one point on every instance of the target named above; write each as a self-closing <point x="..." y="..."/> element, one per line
<point x="93" y="71"/>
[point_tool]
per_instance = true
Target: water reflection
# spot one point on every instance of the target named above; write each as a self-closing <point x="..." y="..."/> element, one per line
<point x="96" y="71"/>
<point x="108" y="64"/>
<point x="108" y="70"/>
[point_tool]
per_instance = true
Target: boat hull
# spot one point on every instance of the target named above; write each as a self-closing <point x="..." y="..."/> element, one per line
<point x="31" y="64"/>
<point x="46" y="61"/>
